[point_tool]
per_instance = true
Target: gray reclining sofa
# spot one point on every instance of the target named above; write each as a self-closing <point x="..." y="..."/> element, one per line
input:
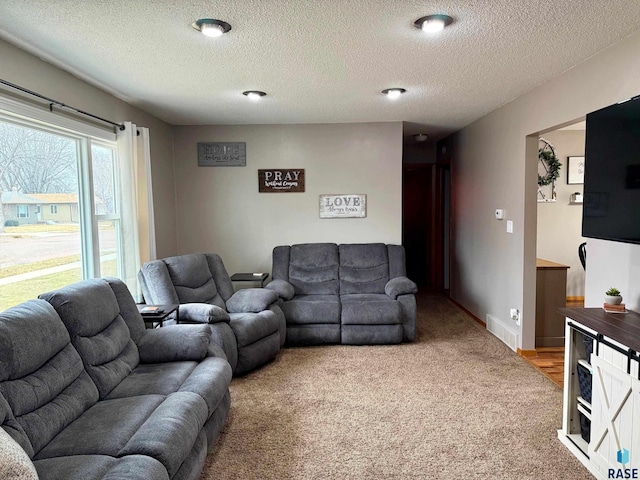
<point x="351" y="293"/>
<point x="89" y="393"/>
<point x="247" y="325"/>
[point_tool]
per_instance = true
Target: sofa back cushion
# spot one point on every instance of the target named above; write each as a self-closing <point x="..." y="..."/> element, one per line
<point x="192" y="279"/>
<point x="91" y="313"/>
<point x="42" y="377"/>
<point x="364" y="268"/>
<point x="313" y="269"/>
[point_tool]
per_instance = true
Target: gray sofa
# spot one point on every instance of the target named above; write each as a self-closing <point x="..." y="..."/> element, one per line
<point x="247" y="325"/>
<point x="351" y="293"/>
<point x="89" y="393"/>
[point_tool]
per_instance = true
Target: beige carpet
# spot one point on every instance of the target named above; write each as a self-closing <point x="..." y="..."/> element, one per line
<point x="455" y="404"/>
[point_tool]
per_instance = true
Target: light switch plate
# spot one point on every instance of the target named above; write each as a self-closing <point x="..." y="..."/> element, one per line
<point x="509" y="226"/>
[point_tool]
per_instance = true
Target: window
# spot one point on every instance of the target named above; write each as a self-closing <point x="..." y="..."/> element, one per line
<point x="23" y="211"/>
<point x="75" y="172"/>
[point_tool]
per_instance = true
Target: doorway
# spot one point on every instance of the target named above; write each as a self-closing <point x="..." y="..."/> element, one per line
<point x="425" y="225"/>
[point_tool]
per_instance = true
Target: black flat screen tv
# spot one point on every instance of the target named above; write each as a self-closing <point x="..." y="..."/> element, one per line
<point x="611" y="208"/>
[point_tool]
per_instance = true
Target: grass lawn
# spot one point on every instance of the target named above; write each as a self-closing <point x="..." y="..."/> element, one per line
<point x="18" y="292"/>
<point x="32" y="267"/>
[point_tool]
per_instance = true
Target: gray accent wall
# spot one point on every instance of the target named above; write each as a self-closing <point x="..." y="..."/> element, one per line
<point x="220" y="209"/>
<point x="28" y="71"/>
<point x="494" y="165"/>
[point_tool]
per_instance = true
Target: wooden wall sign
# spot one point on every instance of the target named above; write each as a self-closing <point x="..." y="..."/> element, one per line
<point x="222" y="154"/>
<point x="278" y="180"/>
<point x="343" y="206"/>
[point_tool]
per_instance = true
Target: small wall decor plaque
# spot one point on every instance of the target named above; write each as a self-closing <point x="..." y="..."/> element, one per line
<point x="348" y="205"/>
<point x="279" y="180"/>
<point x="222" y="154"/>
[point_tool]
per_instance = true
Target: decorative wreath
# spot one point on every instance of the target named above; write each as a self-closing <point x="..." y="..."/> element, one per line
<point x="547" y="156"/>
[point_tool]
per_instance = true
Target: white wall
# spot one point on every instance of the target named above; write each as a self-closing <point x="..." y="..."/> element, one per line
<point x="495" y="166"/>
<point x="24" y="69"/>
<point x="560" y="223"/>
<point x="220" y="209"/>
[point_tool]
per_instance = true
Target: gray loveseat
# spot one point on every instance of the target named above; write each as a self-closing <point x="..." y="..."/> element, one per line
<point x="351" y="293"/>
<point x="247" y="325"/>
<point x="89" y="393"/>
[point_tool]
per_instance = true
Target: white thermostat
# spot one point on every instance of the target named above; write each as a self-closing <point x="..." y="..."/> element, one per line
<point x="499" y="213"/>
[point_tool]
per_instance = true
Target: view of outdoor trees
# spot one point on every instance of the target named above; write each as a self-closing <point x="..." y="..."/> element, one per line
<point x="40" y="223"/>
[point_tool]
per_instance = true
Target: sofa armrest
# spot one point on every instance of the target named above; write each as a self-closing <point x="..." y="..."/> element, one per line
<point x="175" y="343"/>
<point x="283" y="288"/>
<point x="202" y="313"/>
<point x="251" y="300"/>
<point x="400" y="286"/>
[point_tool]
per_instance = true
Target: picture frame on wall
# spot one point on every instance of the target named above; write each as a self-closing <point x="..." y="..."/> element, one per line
<point x="575" y="170"/>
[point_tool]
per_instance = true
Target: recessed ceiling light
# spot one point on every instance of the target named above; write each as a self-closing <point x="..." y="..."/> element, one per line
<point x="433" y="23"/>
<point x="211" y="27"/>
<point x="393" y="93"/>
<point x="254" y="94"/>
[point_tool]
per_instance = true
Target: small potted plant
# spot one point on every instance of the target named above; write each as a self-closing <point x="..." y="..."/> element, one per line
<point x="612" y="296"/>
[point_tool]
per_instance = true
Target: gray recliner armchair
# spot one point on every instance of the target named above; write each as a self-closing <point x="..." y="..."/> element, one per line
<point x="247" y="325"/>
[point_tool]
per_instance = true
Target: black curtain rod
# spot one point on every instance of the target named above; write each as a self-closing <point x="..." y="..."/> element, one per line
<point x="53" y="102"/>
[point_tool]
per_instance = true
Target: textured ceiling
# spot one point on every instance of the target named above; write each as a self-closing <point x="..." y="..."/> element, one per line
<point x="322" y="61"/>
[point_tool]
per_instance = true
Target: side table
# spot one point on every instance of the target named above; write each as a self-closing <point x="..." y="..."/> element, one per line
<point x="163" y="311"/>
<point x="250" y="277"/>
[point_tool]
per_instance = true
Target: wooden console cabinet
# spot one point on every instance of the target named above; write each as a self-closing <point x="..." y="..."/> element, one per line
<point x="551" y="294"/>
<point x="613" y="414"/>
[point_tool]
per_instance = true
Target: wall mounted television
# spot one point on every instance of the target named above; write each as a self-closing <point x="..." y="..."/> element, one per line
<point x="611" y="208"/>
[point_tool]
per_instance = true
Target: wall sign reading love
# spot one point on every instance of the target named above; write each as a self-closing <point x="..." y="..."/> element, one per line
<point x="277" y="180"/>
<point x="343" y="206"/>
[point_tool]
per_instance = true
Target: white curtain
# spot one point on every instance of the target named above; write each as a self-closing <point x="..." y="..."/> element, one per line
<point x="136" y="208"/>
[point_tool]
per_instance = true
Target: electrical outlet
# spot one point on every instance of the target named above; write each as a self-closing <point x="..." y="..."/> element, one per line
<point x="515" y="315"/>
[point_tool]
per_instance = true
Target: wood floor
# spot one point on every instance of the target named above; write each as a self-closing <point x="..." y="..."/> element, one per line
<point x="550" y="360"/>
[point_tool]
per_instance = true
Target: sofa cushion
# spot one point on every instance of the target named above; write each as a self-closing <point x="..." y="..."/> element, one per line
<point x="101" y="467"/>
<point x="193" y="280"/>
<point x="10" y="425"/>
<point x="364" y="268"/>
<point x="370" y="309"/>
<point x="251" y="327"/>
<point x="91" y="314"/>
<point x="313" y="269"/>
<point x="42" y="377"/>
<point x="14" y="461"/>
<point x="306" y="309"/>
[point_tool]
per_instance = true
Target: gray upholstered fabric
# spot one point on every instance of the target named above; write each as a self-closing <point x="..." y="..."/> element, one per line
<point x="305" y="309"/>
<point x="370" y="309"/>
<point x="313" y="334"/>
<point x="397" y="264"/>
<point x="257" y="353"/>
<point x="192" y="466"/>
<point x="192" y="279"/>
<point x="223" y="338"/>
<point x="281" y="260"/>
<point x="202" y="313"/>
<point x="313" y="269"/>
<point x="371" y="334"/>
<point x="202" y="278"/>
<point x="156" y="284"/>
<point x="91" y="314"/>
<point x="216" y="421"/>
<point x="15" y="464"/>
<point x="363" y="268"/>
<point x="400" y="286"/>
<point x="409" y="312"/>
<point x="101" y="467"/>
<point x="128" y="310"/>
<point x="251" y="300"/>
<point x="283" y="288"/>
<point x="376" y="302"/>
<point x="42" y="377"/>
<point x="210" y="379"/>
<point x="174" y="343"/>
<point x="170" y="432"/>
<point x="153" y="379"/>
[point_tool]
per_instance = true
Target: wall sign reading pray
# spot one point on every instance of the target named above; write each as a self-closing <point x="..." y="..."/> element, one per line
<point x="277" y="180"/>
